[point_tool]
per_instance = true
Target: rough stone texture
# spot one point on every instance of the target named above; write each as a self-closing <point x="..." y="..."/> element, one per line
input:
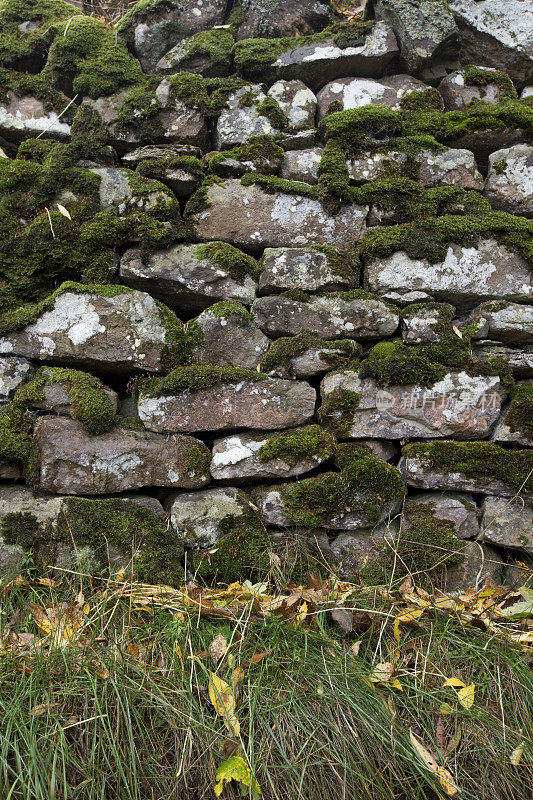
<point x="426" y="31"/>
<point x="9" y="472"/>
<point x="13" y="373"/>
<point x="418" y="472"/>
<point x="182" y="280"/>
<point x="120" y="333"/>
<point x="174" y="123"/>
<point x="71" y="461"/>
<point x="237" y="458"/>
<point x="333" y="316"/>
<point x="505" y="322"/>
<point x="116" y="193"/>
<point x="458" y="406"/>
<point x="315" y="360"/>
<point x="423" y="324"/>
<point x="481" y="563"/>
<point x="509" y="185"/>
<point x="255" y="219"/>
<point x="302" y="165"/>
<point x="268" y="404"/>
<point x="455" y="167"/>
<point x="507" y="523"/>
<point x="297" y="102"/>
<point x="238" y="122"/>
<point x="316" y="64"/>
<point x="357" y="92"/>
<point x="459" y="509"/>
<point x="151" y="31"/>
<point x="196" y="517"/>
<point x="21" y="500"/>
<point x="457" y="94"/>
<point x="301" y="268"/>
<point x="182" y="181"/>
<point x="466" y="276"/>
<point x="497" y="34"/>
<point x="26" y="117"/>
<point x="505" y="434"/>
<point x="273" y="18"/>
<point x="230" y="338"/>
<point x="56" y="399"/>
<point x="350" y="552"/>
<point x="520" y="361"/>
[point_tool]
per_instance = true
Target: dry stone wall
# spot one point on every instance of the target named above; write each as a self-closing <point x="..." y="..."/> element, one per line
<point x="265" y="289"/>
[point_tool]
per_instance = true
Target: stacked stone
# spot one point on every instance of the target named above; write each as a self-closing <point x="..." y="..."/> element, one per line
<point x="295" y="313"/>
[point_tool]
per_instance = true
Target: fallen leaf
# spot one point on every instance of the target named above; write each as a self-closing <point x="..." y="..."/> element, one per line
<point x="382" y="673"/>
<point x="42" y="708"/>
<point x="343" y="618"/>
<point x="63" y="210"/>
<point x="516" y="755"/>
<point x="453" y="682"/>
<point x="217" y="648"/>
<point x="235" y="769"/>
<point x="444" y="776"/>
<point x="255" y="659"/>
<point x="457" y="332"/>
<point x="223" y="699"/>
<point x="466" y="695"/>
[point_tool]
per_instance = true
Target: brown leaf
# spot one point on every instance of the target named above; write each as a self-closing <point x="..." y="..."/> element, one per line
<point x="255" y="659"/>
<point x="217" y="648"/>
<point x="343" y="618"/>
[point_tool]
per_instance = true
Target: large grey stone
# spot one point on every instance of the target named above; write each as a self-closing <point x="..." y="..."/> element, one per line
<point x="21" y="500"/>
<point x="255" y="219"/>
<point x="119" y="333"/>
<point x="317" y="63"/>
<point x="421" y="324"/>
<point x="454" y="507"/>
<point x="27" y="117"/>
<point x="198" y="518"/>
<point x="507" y="523"/>
<point x="238" y="457"/>
<point x="520" y="360"/>
<point x="297" y="102"/>
<point x="151" y="29"/>
<point x="305" y="356"/>
<point x="308" y="269"/>
<point x="302" y="165"/>
<point x="274" y="18"/>
<point x="116" y="193"/>
<point x="459" y="406"/>
<point x="267" y="404"/>
<point x="467" y="275"/>
<point x="454" y="167"/>
<point x="506" y="322"/>
<point x="357" y="92"/>
<point x="353" y="550"/>
<point x="333" y="316"/>
<point x="509" y="185"/>
<point x="13" y="373"/>
<point x="71" y="461"/>
<point x="426" y="30"/>
<point x="457" y="93"/>
<point x="229" y="335"/>
<point x="508" y="431"/>
<point x="182" y="279"/>
<point x="481" y="564"/>
<point x="497" y="34"/>
<point x="240" y="119"/>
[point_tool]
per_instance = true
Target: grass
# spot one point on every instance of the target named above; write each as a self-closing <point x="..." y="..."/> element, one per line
<point x="106" y="693"/>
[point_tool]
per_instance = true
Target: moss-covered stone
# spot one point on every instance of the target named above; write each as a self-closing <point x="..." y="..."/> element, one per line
<point x="230" y="259"/>
<point x="261" y="151"/>
<point x="477" y="76"/>
<point x="481" y="461"/>
<point x="520" y="415"/>
<point x="426" y="100"/>
<point x="214" y="47"/>
<point x="337" y="411"/>
<point x="292" y="446"/>
<point x="282" y="350"/>
<point x="195" y="376"/>
<point x="89" y="402"/>
<point x="230" y="308"/>
<point x="16" y="440"/>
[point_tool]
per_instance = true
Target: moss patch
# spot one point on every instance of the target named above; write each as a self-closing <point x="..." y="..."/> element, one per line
<point x="477" y="76"/>
<point x="293" y="446"/>
<point x="216" y="45"/>
<point x="337" y="411"/>
<point x="230" y="308"/>
<point x="234" y="262"/>
<point x="260" y="151"/>
<point x="480" y="461"/>
<point x="89" y="402"/>
<point x="520" y="415"/>
<point x="283" y="350"/>
<point x="16" y="440"/>
<point x="193" y="377"/>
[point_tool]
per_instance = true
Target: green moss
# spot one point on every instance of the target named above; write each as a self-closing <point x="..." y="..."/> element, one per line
<point x="361" y="127"/>
<point x="200" y="200"/>
<point x="341" y="262"/>
<point x="261" y="151"/>
<point x="273" y="184"/>
<point x="270" y="109"/>
<point x="137" y="532"/>
<point x="480" y="461"/>
<point x="283" y="350"/>
<point x="230" y="308"/>
<point x="216" y="45"/>
<point x="179" y="342"/>
<point x="364" y="484"/>
<point x="193" y="377"/>
<point x="298" y="295"/>
<point x="520" y="415"/>
<point x="243" y="552"/>
<point x="158" y="168"/>
<point x="425" y="549"/>
<point x="207" y="95"/>
<point x="337" y="411"/>
<point x="89" y="402"/>
<point x="131" y="424"/>
<point x="477" y="76"/>
<point x="17" y="49"/>
<point x="16" y="440"/>
<point x="253" y="57"/>
<point x="197" y="460"/>
<point x="293" y="446"/>
<point x="426" y="100"/>
<point x="478" y="116"/>
<point x="234" y="262"/>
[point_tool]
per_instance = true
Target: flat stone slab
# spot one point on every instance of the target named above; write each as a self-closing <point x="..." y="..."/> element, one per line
<point x="71" y="461"/>
<point x="468" y="275"/>
<point x="361" y="91"/>
<point x="509" y="185"/>
<point x="249" y="217"/>
<point x="26" y="117"/>
<point x="120" y="333"/>
<point x="265" y="405"/>
<point x="459" y="406"/>
<point x="332" y="316"/>
<point x="196" y="517"/>
<point x="13" y="373"/>
<point x="238" y="457"/>
<point x="229" y="336"/>
<point x="505" y="322"/>
<point x="303" y="268"/>
<point x="507" y="523"/>
<point x="182" y="279"/>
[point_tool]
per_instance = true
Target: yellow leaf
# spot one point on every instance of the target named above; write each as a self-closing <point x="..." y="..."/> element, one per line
<point x="223" y="699"/>
<point x="466" y="695"/>
<point x="397" y="629"/>
<point x="446" y="708"/>
<point x="453" y="682"/>
<point x="382" y="673"/>
<point x="516" y="755"/>
<point x="457" y="332"/>
<point x="63" y="210"/>
<point x="445" y="778"/>
<point x="235" y="769"/>
<point x="302" y="613"/>
<point x="395" y="683"/>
